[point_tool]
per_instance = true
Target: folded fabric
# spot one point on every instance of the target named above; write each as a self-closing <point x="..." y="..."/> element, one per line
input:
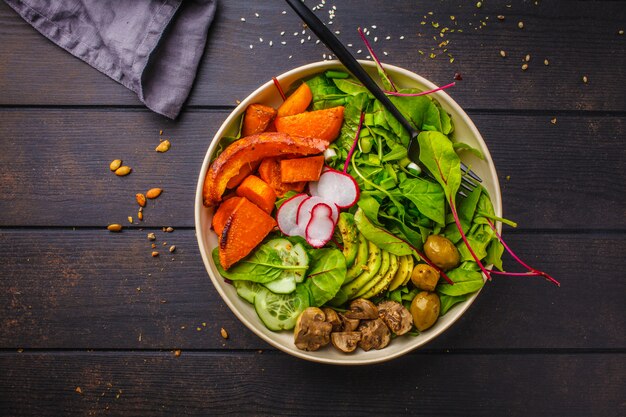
<point x="152" y="47"/>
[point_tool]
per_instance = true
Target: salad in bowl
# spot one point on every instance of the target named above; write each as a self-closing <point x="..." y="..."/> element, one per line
<point x="324" y="237"/>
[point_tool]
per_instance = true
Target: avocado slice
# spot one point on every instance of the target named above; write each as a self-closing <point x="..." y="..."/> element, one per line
<point x="404" y="272"/>
<point x="389" y="276"/>
<point x="349" y="236"/>
<point x="374" y="262"/>
<point x="360" y="261"/>
<point x="382" y="272"/>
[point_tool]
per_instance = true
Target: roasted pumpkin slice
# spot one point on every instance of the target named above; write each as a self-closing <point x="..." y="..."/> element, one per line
<point x="249" y="149"/>
<point x="245" y="228"/>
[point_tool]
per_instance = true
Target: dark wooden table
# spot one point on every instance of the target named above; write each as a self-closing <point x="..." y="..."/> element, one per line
<point x="90" y="321"/>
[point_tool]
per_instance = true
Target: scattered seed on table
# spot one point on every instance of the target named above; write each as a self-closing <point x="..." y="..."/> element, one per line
<point x="169" y="229"/>
<point x="154" y="193"/>
<point x="224" y="333"/>
<point x="520" y="24"/>
<point x="177" y="353"/>
<point x="553" y="120"/>
<point x="527" y="58"/>
<point x="115" y="164"/>
<point x="620" y="32"/>
<point x="115" y="227"/>
<point x="79" y="390"/>
<point x="500" y="17"/>
<point x="585" y="79"/>
<point x="155" y="254"/>
<point x="524" y="67"/>
<point x="163" y="146"/>
<point x="153" y="246"/>
<point x="546" y="62"/>
<point x="151" y="236"/>
<point x="479" y="4"/>
<point x="172" y="248"/>
<point x="130" y="219"/>
<point x="503" y="54"/>
<point x="123" y="171"/>
<point x="141" y="199"/>
<point x="140" y="215"/>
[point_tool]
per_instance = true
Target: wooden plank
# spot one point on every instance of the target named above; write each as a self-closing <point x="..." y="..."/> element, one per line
<point x="56" y="167"/>
<point x="134" y="384"/>
<point x="96" y="289"/>
<point x="576" y="39"/>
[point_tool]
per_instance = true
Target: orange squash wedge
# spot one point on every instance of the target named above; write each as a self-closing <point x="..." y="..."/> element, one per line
<point x="320" y="124"/>
<point x="297" y="102"/>
<point x="256" y="119"/>
<point x="259" y="192"/>
<point x="269" y="171"/>
<point x="250" y="149"/>
<point x="245" y="228"/>
<point x="222" y="214"/>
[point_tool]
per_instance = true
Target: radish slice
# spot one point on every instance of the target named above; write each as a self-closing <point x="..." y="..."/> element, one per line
<point x="287" y="213"/>
<point x="306" y="208"/>
<point x="336" y="187"/>
<point x="320" y="228"/>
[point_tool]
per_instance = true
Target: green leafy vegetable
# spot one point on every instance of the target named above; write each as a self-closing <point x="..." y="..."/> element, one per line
<point x="327" y="273"/>
<point x="381" y="237"/>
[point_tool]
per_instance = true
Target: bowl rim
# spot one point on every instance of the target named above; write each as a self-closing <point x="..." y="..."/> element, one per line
<point x="441" y="96"/>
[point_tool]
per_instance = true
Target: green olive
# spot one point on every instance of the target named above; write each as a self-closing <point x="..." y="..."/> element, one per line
<point x="425" y="277"/>
<point x="442" y="252"/>
<point x="425" y="310"/>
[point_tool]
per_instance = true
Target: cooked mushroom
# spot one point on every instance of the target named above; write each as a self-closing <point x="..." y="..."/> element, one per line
<point x="362" y="309"/>
<point x="311" y="331"/>
<point x="349" y="324"/>
<point x="396" y="317"/>
<point x="374" y="334"/>
<point x="345" y="341"/>
<point x="333" y="318"/>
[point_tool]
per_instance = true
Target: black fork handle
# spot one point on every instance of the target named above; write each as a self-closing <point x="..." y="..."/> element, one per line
<point x="346" y="58"/>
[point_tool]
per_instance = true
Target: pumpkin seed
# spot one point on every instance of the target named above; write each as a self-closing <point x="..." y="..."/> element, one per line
<point x="115" y="227"/>
<point x="163" y="146"/>
<point x="123" y="171"/>
<point x="115" y="164"/>
<point x="141" y="199"/>
<point x="154" y="193"/>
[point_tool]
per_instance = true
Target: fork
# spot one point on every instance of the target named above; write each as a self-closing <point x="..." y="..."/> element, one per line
<point x="346" y="58"/>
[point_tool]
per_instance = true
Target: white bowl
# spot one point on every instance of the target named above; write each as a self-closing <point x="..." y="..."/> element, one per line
<point x="465" y="131"/>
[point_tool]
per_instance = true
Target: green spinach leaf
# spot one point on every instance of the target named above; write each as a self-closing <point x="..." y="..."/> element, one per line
<point x="327" y="273"/>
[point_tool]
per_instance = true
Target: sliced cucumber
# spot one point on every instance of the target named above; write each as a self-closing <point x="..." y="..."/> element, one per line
<point x="247" y="290"/>
<point x="280" y="311"/>
<point x="293" y="255"/>
<point x="284" y="285"/>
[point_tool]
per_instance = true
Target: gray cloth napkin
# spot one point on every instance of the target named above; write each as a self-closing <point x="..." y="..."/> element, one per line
<point x="152" y="47"/>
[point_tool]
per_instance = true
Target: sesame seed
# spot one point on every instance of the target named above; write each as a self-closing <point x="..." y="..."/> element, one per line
<point x="283" y="43"/>
<point x="385" y="53"/>
<point x="524" y="67"/>
<point x="402" y="37"/>
<point x="520" y="24"/>
<point x="479" y="4"/>
<point x="527" y="58"/>
<point x="620" y="32"/>
<point x="284" y="12"/>
<point x="375" y="38"/>
<point x="585" y="79"/>
<point x="260" y="39"/>
<point x="301" y="41"/>
<point x="282" y="33"/>
<point x="546" y="62"/>
<point x="243" y="19"/>
<point x="251" y="46"/>
<point x="304" y="31"/>
<point x="503" y="54"/>
<point x="271" y="43"/>
<point x="553" y="120"/>
<point x="358" y="52"/>
<point x="256" y="15"/>
<point x="337" y="32"/>
<point x="290" y="56"/>
<point x="295" y="33"/>
<point x="368" y="57"/>
<point x="324" y="56"/>
<point x="388" y="37"/>
<point x="350" y="45"/>
<point x="373" y="26"/>
<point x="317" y="41"/>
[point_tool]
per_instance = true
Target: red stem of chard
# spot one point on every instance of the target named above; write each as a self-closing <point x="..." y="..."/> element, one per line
<point x="469" y="247"/>
<point x="423" y="93"/>
<point x="375" y="58"/>
<point x="279" y="88"/>
<point x="353" y="147"/>
<point x="531" y="270"/>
